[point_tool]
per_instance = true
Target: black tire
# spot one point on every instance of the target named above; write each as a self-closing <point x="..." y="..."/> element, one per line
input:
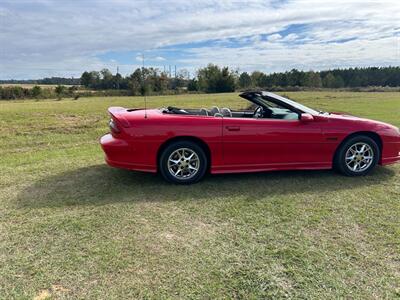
<point x="345" y="166"/>
<point x="172" y="149"/>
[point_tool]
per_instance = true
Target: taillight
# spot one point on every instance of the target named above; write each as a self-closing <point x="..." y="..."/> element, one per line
<point x="113" y="126"/>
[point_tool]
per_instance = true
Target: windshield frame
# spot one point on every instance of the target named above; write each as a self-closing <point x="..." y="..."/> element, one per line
<point x="297" y="106"/>
<point x="261" y="98"/>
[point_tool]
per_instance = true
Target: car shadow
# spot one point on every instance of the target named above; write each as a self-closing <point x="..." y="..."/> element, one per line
<point x="100" y="184"/>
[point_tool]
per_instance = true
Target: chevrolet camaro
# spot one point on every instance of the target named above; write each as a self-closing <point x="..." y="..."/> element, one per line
<point x="272" y="133"/>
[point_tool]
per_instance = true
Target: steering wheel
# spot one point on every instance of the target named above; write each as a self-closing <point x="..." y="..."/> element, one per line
<point x="259" y="112"/>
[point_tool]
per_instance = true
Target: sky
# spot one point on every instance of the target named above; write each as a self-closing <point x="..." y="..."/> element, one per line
<point x="45" y="38"/>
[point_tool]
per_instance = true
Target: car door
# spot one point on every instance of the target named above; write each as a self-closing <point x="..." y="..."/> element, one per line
<point x="250" y="143"/>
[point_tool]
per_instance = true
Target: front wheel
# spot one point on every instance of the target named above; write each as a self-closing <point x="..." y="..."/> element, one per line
<point x="357" y="156"/>
<point x="183" y="162"/>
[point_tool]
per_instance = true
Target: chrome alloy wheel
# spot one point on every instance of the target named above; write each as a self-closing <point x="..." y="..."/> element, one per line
<point x="359" y="157"/>
<point x="183" y="163"/>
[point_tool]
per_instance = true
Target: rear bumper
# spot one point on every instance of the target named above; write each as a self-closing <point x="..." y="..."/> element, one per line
<point x="119" y="154"/>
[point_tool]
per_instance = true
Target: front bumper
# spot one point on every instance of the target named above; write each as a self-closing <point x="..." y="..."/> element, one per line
<point x="391" y="153"/>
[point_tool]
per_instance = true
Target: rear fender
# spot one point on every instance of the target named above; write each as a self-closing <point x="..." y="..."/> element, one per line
<point x="117" y="113"/>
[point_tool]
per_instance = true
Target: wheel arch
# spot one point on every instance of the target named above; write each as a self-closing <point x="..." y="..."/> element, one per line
<point x="373" y="135"/>
<point x="193" y="139"/>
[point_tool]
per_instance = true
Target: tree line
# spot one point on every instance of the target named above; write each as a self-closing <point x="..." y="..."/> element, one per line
<point x="57" y="92"/>
<point x="47" y="80"/>
<point x="37" y="92"/>
<point x="141" y="81"/>
<point x="210" y="79"/>
<point x="337" y="78"/>
<point x="215" y="79"/>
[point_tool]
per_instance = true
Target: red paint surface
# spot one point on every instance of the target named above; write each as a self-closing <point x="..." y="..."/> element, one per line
<point x="241" y="144"/>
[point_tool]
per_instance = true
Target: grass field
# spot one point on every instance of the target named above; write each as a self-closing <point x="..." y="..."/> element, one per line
<point x="71" y="227"/>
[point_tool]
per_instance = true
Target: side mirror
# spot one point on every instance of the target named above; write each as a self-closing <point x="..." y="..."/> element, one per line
<point x="306" y="118"/>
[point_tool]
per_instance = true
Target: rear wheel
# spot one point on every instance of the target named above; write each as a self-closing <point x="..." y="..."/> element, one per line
<point x="183" y="162"/>
<point x="357" y="156"/>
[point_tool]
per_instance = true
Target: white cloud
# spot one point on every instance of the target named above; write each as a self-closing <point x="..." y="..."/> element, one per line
<point x="159" y="58"/>
<point x="274" y="37"/>
<point x="276" y="56"/>
<point x="290" y="37"/>
<point x="50" y="37"/>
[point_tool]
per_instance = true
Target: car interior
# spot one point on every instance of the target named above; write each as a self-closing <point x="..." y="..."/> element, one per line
<point x="270" y="112"/>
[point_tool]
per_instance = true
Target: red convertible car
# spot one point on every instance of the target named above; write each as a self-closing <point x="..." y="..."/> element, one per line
<point x="274" y="133"/>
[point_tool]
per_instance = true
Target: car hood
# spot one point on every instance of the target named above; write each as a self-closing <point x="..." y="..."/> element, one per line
<point x="345" y="115"/>
<point x="351" y="118"/>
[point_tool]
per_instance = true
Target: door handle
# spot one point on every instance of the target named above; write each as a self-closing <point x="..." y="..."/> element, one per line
<point x="233" y="128"/>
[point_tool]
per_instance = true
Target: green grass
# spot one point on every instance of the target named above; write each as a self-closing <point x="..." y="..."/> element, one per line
<point x="71" y="227"/>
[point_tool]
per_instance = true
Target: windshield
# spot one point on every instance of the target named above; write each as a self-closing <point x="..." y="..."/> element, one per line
<point x="266" y="98"/>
